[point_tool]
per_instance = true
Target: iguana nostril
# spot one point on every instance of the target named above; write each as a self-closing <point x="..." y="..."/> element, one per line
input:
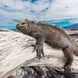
<point x="17" y="26"/>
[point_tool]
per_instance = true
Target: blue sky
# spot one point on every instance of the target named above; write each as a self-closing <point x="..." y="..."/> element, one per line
<point x="60" y="12"/>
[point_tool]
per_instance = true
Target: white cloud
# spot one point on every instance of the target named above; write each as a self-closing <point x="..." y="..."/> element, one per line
<point x="58" y="10"/>
<point x="62" y="9"/>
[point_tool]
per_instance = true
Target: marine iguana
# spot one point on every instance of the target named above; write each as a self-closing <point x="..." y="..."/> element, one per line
<point x="55" y="36"/>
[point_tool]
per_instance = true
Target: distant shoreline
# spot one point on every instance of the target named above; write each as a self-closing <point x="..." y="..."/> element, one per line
<point x="14" y="28"/>
<point x="8" y="27"/>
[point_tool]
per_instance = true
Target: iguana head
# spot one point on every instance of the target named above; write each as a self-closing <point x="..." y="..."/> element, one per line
<point x="24" y="25"/>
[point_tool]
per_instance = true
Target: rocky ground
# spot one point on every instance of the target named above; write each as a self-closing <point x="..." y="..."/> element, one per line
<point x="42" y="72"/>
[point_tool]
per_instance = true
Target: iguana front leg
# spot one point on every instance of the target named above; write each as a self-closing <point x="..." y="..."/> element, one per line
<point x="39" y="43"/>
<point x="39" y="50"/>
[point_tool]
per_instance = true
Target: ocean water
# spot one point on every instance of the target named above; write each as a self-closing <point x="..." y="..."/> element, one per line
<point x="8" y="27"/>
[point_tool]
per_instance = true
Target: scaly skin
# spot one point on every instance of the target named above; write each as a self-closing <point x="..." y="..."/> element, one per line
<point x="55" y="36"/>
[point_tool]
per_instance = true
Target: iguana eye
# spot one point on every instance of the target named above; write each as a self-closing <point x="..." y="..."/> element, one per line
<point x="23" y="23"/>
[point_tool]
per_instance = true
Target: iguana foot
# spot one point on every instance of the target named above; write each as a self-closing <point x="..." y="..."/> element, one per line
<point x="39" y="50"/>
<point x="67" y="70"/>
<point x="34" y="47"/>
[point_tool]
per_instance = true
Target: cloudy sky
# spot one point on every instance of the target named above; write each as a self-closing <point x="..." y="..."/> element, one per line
<point x="60" y="12"/>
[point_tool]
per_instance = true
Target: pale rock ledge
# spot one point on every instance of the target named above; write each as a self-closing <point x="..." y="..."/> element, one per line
<point x="16" y="50"/>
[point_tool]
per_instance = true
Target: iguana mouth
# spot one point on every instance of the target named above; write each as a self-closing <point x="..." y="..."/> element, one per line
<point x="20" y="27"/>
